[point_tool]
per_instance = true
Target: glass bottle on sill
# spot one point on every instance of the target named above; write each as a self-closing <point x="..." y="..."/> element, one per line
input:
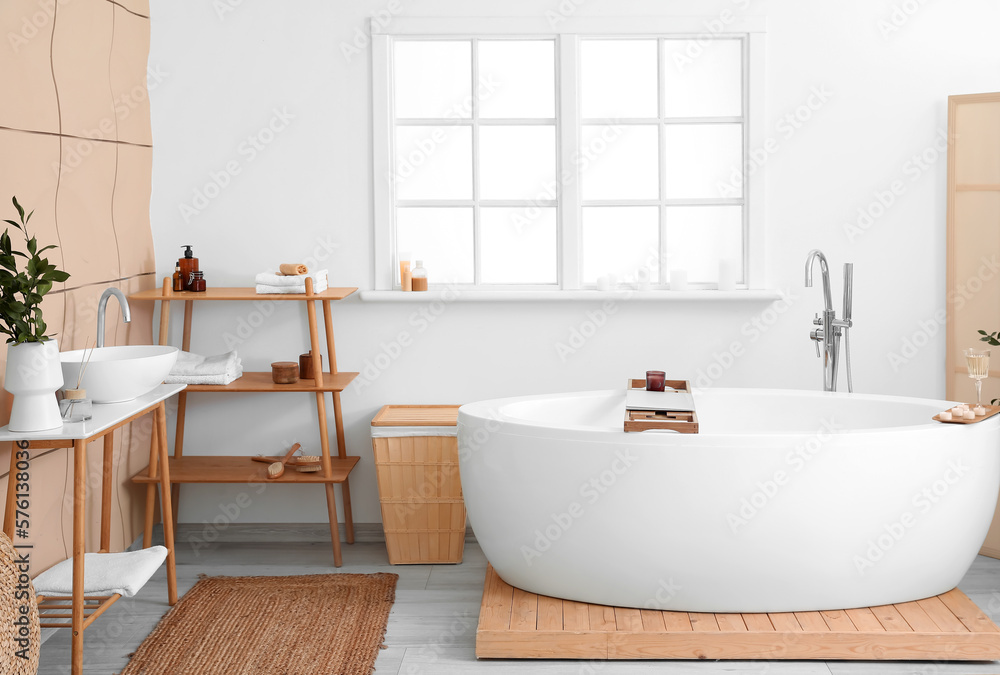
<point x="419" y="277"/>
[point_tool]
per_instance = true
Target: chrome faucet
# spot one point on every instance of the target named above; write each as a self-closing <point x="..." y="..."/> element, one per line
<point x="831" y="329"/>
<point x="102" y="307"/>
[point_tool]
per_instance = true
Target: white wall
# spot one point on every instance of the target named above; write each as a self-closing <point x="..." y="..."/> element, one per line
<point x="224" y="75"/>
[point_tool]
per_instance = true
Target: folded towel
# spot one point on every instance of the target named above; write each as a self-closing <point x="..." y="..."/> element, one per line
<point x="264" y="289"/>
<point x="223" y="379"/>
<point x="293" y="269"/>
<point x="103" y="573"/>
<point x="272" y="278"/>
<point x="196" y="364"/>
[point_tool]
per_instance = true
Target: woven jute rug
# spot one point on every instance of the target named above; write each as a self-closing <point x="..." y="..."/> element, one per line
<point x="329" y="624"/>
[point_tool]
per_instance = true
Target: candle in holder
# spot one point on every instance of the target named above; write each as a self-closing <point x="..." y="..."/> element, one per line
<point x="656" y="380"/>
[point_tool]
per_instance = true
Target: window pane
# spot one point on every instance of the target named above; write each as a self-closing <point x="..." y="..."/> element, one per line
<point x="433" y="162"/>
<point x="517" y="78"/>
<point x="620" y="240"/>
<point x="619" y="162"/>
<point x="702" y="79"/>
<point x="618" y="78"/>
<point x="441" y="238"/>
<point x="432" y="79"/>
<point x="518" y="245"/>
<point x="700" y="160"/>
<point x="517" y="162"/>
<point x="698" y="237"/>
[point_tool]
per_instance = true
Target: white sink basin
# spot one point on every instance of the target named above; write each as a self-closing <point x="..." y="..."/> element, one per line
<point x="120" y="373"/>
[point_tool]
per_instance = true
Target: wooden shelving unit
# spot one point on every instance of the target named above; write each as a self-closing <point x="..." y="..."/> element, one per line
<point x="230" y="469"/>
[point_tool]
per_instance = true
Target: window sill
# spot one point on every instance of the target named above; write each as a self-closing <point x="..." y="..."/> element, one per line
<point x="457" y="295"/>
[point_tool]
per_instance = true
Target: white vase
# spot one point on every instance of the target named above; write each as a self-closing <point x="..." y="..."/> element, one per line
<point x="33" y="376"/>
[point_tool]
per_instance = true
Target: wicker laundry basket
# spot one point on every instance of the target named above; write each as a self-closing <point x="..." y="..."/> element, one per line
<point x="20" y="636"/>
<point x="416" y="461"/>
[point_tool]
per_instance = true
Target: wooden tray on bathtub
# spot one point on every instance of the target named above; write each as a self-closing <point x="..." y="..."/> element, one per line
<point x="991" y="410"/>
<point x="683" y="421"/>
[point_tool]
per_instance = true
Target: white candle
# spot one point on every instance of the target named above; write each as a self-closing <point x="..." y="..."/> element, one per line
<point x="678" y="280"/>
<point x="979" y="410"/>
<point x="969" y="415"/>
<point x="727" y="274"/>
<point x="603" y="284"/>
<point x="945" y="416"/>
<point x="958" y="411"/>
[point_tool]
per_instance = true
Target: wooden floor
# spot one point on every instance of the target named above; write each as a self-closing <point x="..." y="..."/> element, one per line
<point x="516" y="624"/>
<point x="432" y="626"/>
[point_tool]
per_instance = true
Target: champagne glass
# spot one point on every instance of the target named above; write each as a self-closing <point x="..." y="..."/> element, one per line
<point x="978" y="363"/>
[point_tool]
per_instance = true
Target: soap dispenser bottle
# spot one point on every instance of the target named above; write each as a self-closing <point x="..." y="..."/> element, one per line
<point x="188" y="265"/>
<point x="419" y="277"/>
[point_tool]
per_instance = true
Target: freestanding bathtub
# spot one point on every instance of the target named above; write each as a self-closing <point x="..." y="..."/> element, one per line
<point x="786" y="500"/>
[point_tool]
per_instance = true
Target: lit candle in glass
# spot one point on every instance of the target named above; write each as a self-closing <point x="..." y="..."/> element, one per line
<point x="656" y="380"/>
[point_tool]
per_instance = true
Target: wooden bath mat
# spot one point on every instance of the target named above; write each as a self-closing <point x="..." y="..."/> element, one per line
<point x="515" y="624"/>
<point x="314" y="624"/>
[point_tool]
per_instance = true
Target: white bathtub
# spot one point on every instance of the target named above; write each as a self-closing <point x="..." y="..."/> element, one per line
<point x="786" y="500"/>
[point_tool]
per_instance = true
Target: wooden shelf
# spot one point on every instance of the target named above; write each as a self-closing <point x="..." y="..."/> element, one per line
<point x="240" y="469"/>
<point x="240" y="293"/>
<point x="262" y="382"/>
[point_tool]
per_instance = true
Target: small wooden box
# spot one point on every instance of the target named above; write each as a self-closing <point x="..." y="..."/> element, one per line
<point x="423" y="513"/>
<point x="641" y="420"/>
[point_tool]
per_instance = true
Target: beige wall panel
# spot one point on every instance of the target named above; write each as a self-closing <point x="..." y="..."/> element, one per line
<point x="81" y="50"/>
<point x="28" y="170"/>
<point x="131" y="210"/>
<point x="977" y="161"/>
<point x="25" y="66"/>
<point x="129" y="53"/>
<point x="136" y="6"/>
<point x="977" y="252"/>
<point x="83" y="206"/>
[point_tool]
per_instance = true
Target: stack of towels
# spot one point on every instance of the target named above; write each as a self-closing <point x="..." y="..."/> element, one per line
<point x="276" y="282"/>
<point x="196" y="369"/>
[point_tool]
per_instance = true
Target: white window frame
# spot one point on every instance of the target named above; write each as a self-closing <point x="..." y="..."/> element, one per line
<point x="567" y="35"/>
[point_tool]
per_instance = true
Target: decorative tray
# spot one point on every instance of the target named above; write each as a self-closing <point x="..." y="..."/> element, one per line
<point x="675" y="412"/>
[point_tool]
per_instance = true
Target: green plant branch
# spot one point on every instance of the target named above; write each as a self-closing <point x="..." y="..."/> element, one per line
<point x="22" y="290"/>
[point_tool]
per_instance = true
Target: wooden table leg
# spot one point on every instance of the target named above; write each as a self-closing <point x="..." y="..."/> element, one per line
<point x="168" y="524"/>
<point x="345" y="487"/>
<point x="8" y="514"/>
<point x="79" y="507"/>
<point x="154" y="458"/>
<point x="331" y="505"/>
<point x="106" y="480"/>
<point x="179" y="443"/>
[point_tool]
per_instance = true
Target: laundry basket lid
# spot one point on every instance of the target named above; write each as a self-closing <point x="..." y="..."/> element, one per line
<point x="415" y="420"/>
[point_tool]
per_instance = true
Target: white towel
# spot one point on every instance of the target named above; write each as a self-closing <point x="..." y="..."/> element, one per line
<point x="196" y="369"/>
<point x="196" y="364"/>
<point x="223" y="379"/>
<point x="273" y="278"/>
<point x="103" y="573"/>
<point x="265" y="289"/>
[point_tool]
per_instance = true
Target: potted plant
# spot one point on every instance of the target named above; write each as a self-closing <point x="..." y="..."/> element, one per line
<point x="33" y="372"/>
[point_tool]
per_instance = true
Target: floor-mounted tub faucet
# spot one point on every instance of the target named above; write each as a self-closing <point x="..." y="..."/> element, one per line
<point x="102" y="307"/>
<point x="830" y="327"/>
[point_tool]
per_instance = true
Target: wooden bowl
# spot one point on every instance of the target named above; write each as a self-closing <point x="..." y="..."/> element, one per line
<point x="285" y="372"/>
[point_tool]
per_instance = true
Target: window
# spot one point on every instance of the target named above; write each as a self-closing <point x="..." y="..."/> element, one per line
<point x="513" y="157"/>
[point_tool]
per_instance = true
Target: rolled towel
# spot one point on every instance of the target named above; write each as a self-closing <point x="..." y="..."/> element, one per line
<point x="293" y="269"/>
<point x="103" y="573"/>
<point x="196" y="364"/>
<point x="272" y="278"/>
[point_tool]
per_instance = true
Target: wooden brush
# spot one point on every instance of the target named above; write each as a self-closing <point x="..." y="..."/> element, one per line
<point x="309" y="464"/>
<point x="277" y="469"/>
<point x="301" y="460"/>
